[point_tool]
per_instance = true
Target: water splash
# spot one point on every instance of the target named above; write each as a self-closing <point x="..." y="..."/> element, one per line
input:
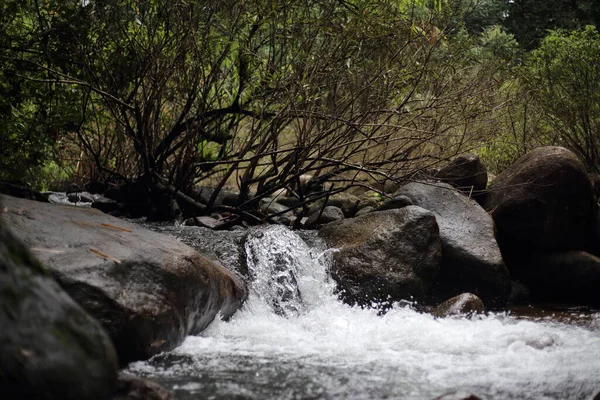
<point x="283" y="271"/>
<point x="333" y="351"/>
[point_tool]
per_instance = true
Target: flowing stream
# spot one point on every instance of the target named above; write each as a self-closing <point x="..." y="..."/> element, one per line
<point x="319" y="348"/>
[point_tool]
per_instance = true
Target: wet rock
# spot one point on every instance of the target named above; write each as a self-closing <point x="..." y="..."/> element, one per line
<point x="465" y="172"/>
<point x="148" y="290"/>
<point x="224" y="247"/>
<point x="274" y="255"/>
<point x="463" y="304"/>
<point x="543" y="202"/>
<point x="131" y="387"/>
<point x="395" y="202"/>
<point x="318" y="218"/>
<point x="471" y="259"/>
<point x="566" y="277"/>
<point x="458" y="396"/>
<point x="384" y="256"/>
<point x="49" y="347"/>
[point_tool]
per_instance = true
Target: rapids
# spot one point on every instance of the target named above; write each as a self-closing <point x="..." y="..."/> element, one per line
<point x="334" y="351"/>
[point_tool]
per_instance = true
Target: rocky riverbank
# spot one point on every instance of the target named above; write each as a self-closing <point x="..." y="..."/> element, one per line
<point x="531" y="236"/>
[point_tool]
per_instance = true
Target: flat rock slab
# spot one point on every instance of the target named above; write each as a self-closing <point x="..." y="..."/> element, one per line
<point x="148" y="290"/>
<point x="50" y="348"/>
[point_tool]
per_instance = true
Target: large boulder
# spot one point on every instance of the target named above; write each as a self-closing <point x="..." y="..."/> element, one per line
<point x="565" y="277"/>
<point x="466" y="172"/>
<point x="471" y="259"/>
<point x="148" y="290"/>
<point x="49" y="347"/>
<point x="543" y="202"/>
<point x="384" y="256"/>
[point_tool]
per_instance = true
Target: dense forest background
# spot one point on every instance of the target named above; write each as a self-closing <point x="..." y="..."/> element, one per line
<point x="255" y="94"/>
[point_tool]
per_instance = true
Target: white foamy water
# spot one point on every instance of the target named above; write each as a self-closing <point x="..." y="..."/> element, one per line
<point x="333" y="351"/>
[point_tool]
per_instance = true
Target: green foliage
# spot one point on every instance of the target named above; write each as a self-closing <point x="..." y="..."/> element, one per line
<point x="530" y="20"/>
<point x="261" y="92"/>
<point x="564" y="78"/>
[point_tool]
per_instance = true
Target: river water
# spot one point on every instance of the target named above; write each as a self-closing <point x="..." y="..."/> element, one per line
<point x="329" y="350"/>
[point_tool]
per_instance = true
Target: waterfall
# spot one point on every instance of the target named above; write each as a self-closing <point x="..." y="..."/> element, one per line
<point x="284" y="272"/>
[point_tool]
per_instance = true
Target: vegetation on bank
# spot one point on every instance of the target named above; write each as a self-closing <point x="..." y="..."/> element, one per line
<point x="257" y="93"/>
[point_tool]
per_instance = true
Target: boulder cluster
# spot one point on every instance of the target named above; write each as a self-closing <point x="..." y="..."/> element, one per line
<point x="108" y="292"/>
<point x="532" y="230"/>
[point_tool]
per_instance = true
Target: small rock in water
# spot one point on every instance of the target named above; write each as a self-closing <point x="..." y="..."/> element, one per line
<point x="458" y="396"/>
<point x="463" y="304"/>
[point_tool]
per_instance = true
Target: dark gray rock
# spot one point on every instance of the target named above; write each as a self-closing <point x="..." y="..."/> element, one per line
<point x="395" y="202"/>
<point x="471" y="259"/>
<point x="466" y="172"/>
<point x="566" y="277"/>
<point x="105" y="204"/>
<point x="328" y="214"/>
<point x="543" y="202"/>
<point x="21" y="191"/>
<point x="221" y="246"/>
<point x="347" y="202"/>
<point x="519" y="293"/>
<point x="49" y="347"/>
<point x="148" y="290"/>
<point x="464" y="304"/>
<point x="131" y="387"/>
<point x="384" y="256"/>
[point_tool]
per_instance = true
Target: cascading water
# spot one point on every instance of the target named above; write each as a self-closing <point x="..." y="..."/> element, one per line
<point x="276" y="257"/>
<point x="325" y="349"/>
